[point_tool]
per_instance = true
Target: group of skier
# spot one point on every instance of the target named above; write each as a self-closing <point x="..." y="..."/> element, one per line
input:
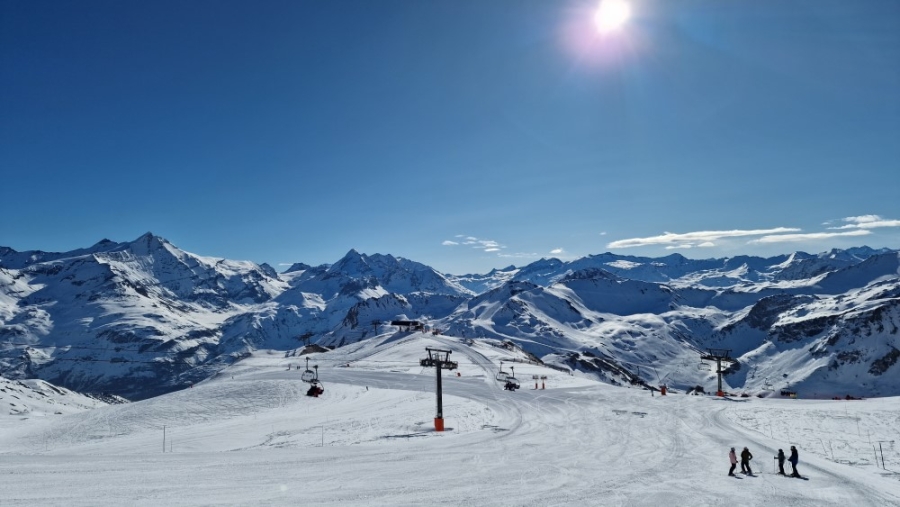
<point x="746" y="456"/>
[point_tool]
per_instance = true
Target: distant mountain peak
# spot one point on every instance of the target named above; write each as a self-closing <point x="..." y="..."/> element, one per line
<point x="353" y="263"/>
<point x="148" y="243"/>
<point x="590" y="274"/>
<point x="297" y="266"/>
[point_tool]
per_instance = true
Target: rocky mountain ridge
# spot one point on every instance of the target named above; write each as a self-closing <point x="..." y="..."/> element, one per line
<point x="143" y="317"/>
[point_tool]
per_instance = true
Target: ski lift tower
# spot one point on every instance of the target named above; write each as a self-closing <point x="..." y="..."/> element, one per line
<point x="439" y="359"/>
<point x="718" y="355"/>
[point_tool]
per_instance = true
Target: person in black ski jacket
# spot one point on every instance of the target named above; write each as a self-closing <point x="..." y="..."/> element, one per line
<point x="745" y="461"/>
<point x="780" y="459"/>
<point x="794" y="459"/>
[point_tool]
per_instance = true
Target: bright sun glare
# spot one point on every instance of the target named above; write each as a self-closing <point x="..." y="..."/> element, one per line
<point x="611" y="15"/>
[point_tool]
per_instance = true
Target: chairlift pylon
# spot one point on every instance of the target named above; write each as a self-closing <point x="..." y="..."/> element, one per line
<point x="438" y="357"/>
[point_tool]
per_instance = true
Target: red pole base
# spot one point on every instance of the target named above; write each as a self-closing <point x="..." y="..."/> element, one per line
<point x="720" y="393"/>
<point x="438" y="424"/>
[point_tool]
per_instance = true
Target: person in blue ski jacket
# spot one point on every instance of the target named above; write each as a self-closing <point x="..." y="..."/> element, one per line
<point x="794" y="459"/>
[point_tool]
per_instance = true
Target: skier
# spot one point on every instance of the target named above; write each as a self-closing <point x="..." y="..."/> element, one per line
<point x="794" y="459"/>
<point x="780" y="459"/>
<point x="733" y="458"/>
<point x="745" y="461"/>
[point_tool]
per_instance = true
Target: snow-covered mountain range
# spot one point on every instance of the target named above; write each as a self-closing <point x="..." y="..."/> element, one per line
<point x="143" y="317"/>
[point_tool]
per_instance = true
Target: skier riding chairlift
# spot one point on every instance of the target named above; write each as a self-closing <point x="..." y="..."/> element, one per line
<point x="315" y="389"/>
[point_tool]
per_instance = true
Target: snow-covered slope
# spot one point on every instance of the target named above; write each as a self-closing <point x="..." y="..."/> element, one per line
<point x="36" y="398"/>
<point x="249" y="436"/>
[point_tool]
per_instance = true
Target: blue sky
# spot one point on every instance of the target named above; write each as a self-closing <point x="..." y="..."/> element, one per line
<point x="464" y="134"/>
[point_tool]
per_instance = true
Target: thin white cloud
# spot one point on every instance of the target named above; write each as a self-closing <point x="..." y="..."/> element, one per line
<point x="680" y="247"/>
<point x="867" y="222"/>
<point x="557" y="251"/>
<point x="518" y="255"/>
<point x="790" y="238"/>
<point x="695" y="238"/>
<point x="486" y="245"/>
<point x="603" y="233"/>
<point x="707" y="244"/>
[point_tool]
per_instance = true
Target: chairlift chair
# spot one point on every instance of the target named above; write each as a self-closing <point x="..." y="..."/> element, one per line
<point x="502" y="375"/>
<point x="704" y="366"/>
<point x="512" y="383"/>
<point x="309" y="376"/>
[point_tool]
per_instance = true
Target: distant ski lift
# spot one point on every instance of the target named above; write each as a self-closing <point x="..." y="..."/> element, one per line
<point x="767" y="386"/>
<point x="309" y="376"/>
<point x="512" y="383"/>
<point x="502" y="375"/>
<point x="312" y="378"/>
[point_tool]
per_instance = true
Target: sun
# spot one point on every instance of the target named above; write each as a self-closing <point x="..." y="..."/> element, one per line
<point x="612" y="15"/>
